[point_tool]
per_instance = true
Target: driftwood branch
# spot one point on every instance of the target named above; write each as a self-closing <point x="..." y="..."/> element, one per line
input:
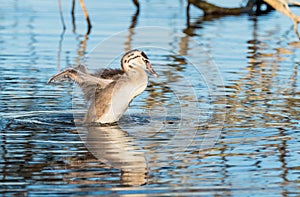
<point x="86" y="15"/>
<point x="61" y="15"/>
<point x="211" y="9"/>
<point x="293" y="3"/>
<point x="136" y="3"/>
<point x="279" y="5"/>
<point x="283" y="7"/>
<point x="73" y="15"/>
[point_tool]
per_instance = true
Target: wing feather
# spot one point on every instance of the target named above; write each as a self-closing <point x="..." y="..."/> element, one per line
<point x="88" y="83"/>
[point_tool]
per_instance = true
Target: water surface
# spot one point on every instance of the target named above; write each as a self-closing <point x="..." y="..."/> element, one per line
<point x="222" y="118"/>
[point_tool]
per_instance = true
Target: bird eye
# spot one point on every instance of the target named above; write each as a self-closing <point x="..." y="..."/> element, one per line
<point x="144" y="55"/>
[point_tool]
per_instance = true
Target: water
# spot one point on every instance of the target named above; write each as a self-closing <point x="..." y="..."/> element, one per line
<point x="222" y="118"/>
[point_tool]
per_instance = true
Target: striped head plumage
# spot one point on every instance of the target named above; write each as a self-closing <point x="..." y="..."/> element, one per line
<point x="136" y="58"/>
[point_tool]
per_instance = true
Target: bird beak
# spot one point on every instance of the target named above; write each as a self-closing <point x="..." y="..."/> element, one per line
<point x="150" y="69"/>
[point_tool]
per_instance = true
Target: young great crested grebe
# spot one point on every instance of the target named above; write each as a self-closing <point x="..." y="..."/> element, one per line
<point x="110" y="91"/>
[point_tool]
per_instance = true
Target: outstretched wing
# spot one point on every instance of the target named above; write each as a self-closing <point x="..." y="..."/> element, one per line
<point x="88" y="83"/>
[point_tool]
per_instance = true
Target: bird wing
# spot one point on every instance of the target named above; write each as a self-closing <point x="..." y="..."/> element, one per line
<point x="88" y="83"/>
<point x="80" y="78"/>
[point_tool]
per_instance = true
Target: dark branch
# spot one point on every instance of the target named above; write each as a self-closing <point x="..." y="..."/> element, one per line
<point x="211" y="9"/>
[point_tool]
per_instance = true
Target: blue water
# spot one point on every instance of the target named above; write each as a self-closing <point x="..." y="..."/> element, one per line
<point x="221" y="119"/>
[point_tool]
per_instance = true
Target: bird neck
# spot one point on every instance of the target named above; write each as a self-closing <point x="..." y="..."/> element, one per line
<point x="137" y="75"/>
<point x="138" y="79"/>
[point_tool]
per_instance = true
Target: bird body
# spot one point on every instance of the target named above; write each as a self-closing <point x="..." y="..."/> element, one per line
<point x="110" y="91"/>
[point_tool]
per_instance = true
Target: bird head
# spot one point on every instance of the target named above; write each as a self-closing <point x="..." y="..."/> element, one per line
<point x="135" y="58"/>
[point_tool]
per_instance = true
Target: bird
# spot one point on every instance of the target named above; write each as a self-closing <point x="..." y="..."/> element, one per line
<point x="110" y="91"/>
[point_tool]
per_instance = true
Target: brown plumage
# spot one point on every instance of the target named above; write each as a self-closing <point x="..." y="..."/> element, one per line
<point x="110" y="91"/>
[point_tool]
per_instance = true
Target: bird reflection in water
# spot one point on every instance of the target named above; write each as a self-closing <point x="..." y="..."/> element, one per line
<point x="113" y="146"/>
